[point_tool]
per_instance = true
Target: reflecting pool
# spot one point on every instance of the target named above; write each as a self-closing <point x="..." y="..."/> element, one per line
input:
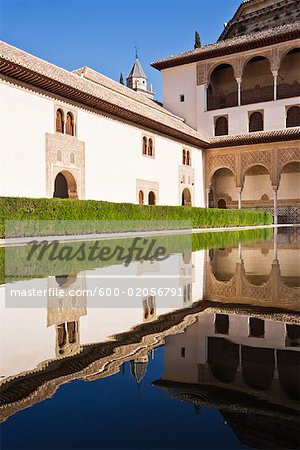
<point x="207" y="359"/>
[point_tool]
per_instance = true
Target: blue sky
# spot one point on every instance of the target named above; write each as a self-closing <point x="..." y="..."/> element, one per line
<point x="102" y="34"/>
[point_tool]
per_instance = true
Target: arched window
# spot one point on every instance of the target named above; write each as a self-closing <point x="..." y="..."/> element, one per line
<point x="141" y="198"/>
<point x="293" y="117"/>
<point x="183" y="157"/>
<point x="72" y="158"/>
<point x="70" y="124"/>
<point x="150" y="147"/>
<point x="188" y="158"/>
<point x="58" y="155"/>
<point x="151" y="198"/>
<point x="256" y="122"/>
<point x="59" y="121"/>
<point x="221" y="126"/>
<point x="144" y="145"/>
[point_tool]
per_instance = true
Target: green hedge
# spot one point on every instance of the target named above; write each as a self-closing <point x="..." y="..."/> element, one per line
<point x="29" y="209"/>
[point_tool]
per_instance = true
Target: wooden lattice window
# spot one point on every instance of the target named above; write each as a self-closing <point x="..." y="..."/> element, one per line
<point x="141" y="197"/>
<point x="70" y="124"/>
<point x="59" y="121"/>
<point x="150" y="147"/>
<point x="221" y="126"/>
<point x="144" y="145"/>
<point x="256" y="122"/>
<point x="293" y="117"/>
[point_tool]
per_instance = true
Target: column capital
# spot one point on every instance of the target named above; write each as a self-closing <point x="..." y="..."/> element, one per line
<point x="275" y="187"/>
<point x="238" y="80"/>
<point x="275" y="73"/>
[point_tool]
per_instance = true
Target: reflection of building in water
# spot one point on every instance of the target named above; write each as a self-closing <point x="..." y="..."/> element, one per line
<point x="138" y="368"/>
<point x="65" y="309"/>
<point x="244" y="366"/>
<point x="149" y="308"/>
<point x="187" y="276"/>
<point x="260" y="276"/>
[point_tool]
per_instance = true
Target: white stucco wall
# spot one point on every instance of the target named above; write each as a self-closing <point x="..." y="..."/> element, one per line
<point x="113" y="153"/>
<point x="24" y="120"/>
<point x="181" y="81"/>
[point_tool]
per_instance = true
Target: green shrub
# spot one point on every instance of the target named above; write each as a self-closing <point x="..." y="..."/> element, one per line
<point x="30" y="209"/>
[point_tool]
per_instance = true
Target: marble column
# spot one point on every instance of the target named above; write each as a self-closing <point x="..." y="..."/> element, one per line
<point x="240" y="190"/>
<point x="239" y="83"/>
<point x="275" y="189"/>
<point x="275" y="76"/>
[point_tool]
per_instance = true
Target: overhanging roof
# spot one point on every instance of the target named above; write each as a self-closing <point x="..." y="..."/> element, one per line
<point x="230" y="46"/>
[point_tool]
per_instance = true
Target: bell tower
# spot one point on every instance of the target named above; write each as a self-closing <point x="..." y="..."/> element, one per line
<point x="137" y="79"/>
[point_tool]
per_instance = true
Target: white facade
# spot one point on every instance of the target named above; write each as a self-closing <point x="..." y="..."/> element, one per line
<point x="113" y="158"/>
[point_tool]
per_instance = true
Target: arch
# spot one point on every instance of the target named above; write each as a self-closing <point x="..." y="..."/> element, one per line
<point x="222" y="204"/>
<point x="288" y="74"/>
<point x="256" y="122"/>
<point x="144" y="145"/>
<point x="151" y="198"/>
<point x="59" y="121"/>
<point x="65" y="185"/>
<point x="293" y="117"/>
<point x="141" y="197"/>
<point x="257" y="81"/>
<point x="222" y="89"/>
<point x="186" y="198"/>
<point x="258" y="366"/>
<point x="150" y="147"/>
<point x="257" y="181"/>
<point x="72" y="158"/>
<point x="223" y="359"/>
<point x="70" y="124"/>
<point x="58" y="155"/>
<point x="221" y="126"/>
<point x="223" y="186"/>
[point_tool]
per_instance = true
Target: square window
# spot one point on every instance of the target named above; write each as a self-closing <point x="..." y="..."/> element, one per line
<point x="256" y="327"/>
<point x="182" y="352"/>
<point x="182" y="98"/>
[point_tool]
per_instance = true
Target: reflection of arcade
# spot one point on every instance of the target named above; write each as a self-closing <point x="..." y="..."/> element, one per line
<point x="247" y="367"/>
<point x="65" y="310"/>
<point x="263" y="277"/>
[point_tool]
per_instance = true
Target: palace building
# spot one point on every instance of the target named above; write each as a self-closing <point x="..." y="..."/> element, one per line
<point x="227" y="135"/>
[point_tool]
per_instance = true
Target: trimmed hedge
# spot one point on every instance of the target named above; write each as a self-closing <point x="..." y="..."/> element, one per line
<point x="29" y="209"/>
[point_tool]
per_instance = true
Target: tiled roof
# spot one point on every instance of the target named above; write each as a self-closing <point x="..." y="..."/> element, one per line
<point x="137" y="70"/>
<point x="233" y="45"/>
<point x="287" y="134"/>
<point x="89" y="87"/>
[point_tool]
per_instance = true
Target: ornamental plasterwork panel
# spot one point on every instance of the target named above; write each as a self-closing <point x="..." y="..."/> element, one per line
<point x="64" y="152"/>
<point x="219" y="161"/>
<point x="249" y="159"/>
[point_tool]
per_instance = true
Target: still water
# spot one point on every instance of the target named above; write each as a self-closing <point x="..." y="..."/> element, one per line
<point x="214" y="364"/>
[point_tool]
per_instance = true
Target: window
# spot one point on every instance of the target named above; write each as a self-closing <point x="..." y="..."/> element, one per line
<point x="70" y="124"/>
<point x="186" y="157"/>
<point x="256" y="327"/>
<point x="182" y="98"/>
<point x="221" y="126"/>
<point x="222" y="324"/>
<point x="144" y="145"/>
<point x="256" y="122"/>
<point x="150" y="147"/>
<point x="182" y="352"/>
<point x="141" y="197"/>
<point x="293" y="117"/>
<point x="59" y="121"/>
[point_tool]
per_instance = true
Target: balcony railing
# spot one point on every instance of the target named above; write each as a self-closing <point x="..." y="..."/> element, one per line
<point x="257" y="94"/>
<point x="288" y="90"/>
<point x="222" y="101"/>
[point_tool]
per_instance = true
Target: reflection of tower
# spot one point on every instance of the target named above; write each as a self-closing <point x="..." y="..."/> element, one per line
<point x="138" y="368"/>
<point x="66" y="304"/>
<point x="149" y="308"/>
<point x="187" y="275"/>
